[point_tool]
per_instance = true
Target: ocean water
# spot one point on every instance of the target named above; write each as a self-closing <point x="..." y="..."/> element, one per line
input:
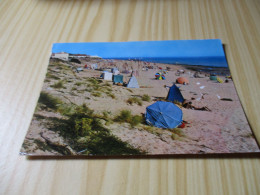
<point x="199" y="61"/>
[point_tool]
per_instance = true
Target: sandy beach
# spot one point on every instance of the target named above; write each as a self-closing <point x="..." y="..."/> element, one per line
<point x="222" y="128"/>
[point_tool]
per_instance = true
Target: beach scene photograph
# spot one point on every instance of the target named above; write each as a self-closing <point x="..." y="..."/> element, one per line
<point x="138" y="99"/>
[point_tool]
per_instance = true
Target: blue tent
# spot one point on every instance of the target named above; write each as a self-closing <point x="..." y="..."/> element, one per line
<point x="175" y="94"/>
<point x="163" y="115"/>
<point x="132" y="83"/>
<point x="117" y="79"/>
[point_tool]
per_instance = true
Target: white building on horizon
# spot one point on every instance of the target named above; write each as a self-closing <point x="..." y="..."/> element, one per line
<point x="61" y="55"/>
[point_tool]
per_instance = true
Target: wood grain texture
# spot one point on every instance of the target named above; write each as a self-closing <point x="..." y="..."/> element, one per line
<point x="27" y="30"/>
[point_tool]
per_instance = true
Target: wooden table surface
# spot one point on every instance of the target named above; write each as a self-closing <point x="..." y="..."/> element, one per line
<point x="27" y="30"/>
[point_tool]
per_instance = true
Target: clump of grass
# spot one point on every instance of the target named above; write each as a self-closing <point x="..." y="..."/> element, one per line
<point x="94" y="81"/>
<point x="58" y="85"/>
<point x="106" y="115"/>
<point x="89" y="89"/>
<point x="80" y="91"/>
<point x="134" y="100"/>
<point x="146" y="98"/>
<point x="177" y="137"/>
<point x="107" y="84"/>
<point x="177" y="134"/>
<point x="107" y="89"/>
<point x="135" y="120"/>
<point x="177" y="131"/>
<point x="130" y="90"/>
<point x="111" y="95"/>
<point x="49" y="101"/>
<point x="96" y="94"/>
<point x="152" y="129"/>
<point x="73" y="88"/>
<point x="51" y="76"/>
<point x="126" y="116"/>
<point x="66" y="109"/>
<point x="78" y="83"/>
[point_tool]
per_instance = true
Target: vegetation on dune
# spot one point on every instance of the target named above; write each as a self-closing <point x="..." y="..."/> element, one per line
<point x="79" y="83"/>
<point x="84" y="132"/>
<point x="66" y="109"/>
<point x="146" y="98"/>
<point x="130" y="90"/>
<point x="111" y="95"/>
<point x="177" y="134"/>
<point x="81" y="128"/>
<point x="106" y="115"/>
<point x="49" y="101"/>
<point x="127" y="117"/>
<point x="96" y="88"/>
<point x="134" y="100"/>
<point x="51" y="76"/>
<point x="107" y="84"/>
<point x="96" y="94"/>
<point x="58" y="85"/>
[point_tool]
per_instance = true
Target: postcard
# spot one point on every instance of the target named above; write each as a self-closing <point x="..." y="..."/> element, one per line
<point x="143" y="98"/>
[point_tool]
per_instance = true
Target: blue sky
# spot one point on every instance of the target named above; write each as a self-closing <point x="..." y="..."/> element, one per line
<point x="172" y="50"/>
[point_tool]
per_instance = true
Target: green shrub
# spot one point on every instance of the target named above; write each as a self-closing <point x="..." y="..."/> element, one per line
<point x="58" y="85"/>
<point x="130" y="101"/>
<point x="51" y="76"/>
<point x="107" y="89"/>
<point x="65" y="109"/>
<point x="135" y="120"/>
<point x="49" y="100"/>
<point x="78" y="83"/>
<point x="111" y="95"/>
<point x="135" y="100"/>
<point x="95" y="139"/>
<point x="106" y="115"/>
<point x="175" y="136"/>
<point x="107" y="84"/>
<point x="126" y="116"/>
<point x="177" y="131"/>
<point x="82" y="126"/>
<point x="96" y="94"/>
<point x="146" y="98"/>
<point x="94" y="81"/>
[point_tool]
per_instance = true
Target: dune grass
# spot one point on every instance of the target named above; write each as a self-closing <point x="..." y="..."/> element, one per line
<point x="49" y="101"/>
<point x="146" y="98"/>
<point x="84" y="132"/>
<point x="58" y="85"/>
<point x="134" y="100"/>
<point x="127" y="117"/>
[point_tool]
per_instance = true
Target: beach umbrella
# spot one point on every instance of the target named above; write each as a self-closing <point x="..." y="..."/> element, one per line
<point x="163" y="115"/>
<point x="159" y="76"/>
